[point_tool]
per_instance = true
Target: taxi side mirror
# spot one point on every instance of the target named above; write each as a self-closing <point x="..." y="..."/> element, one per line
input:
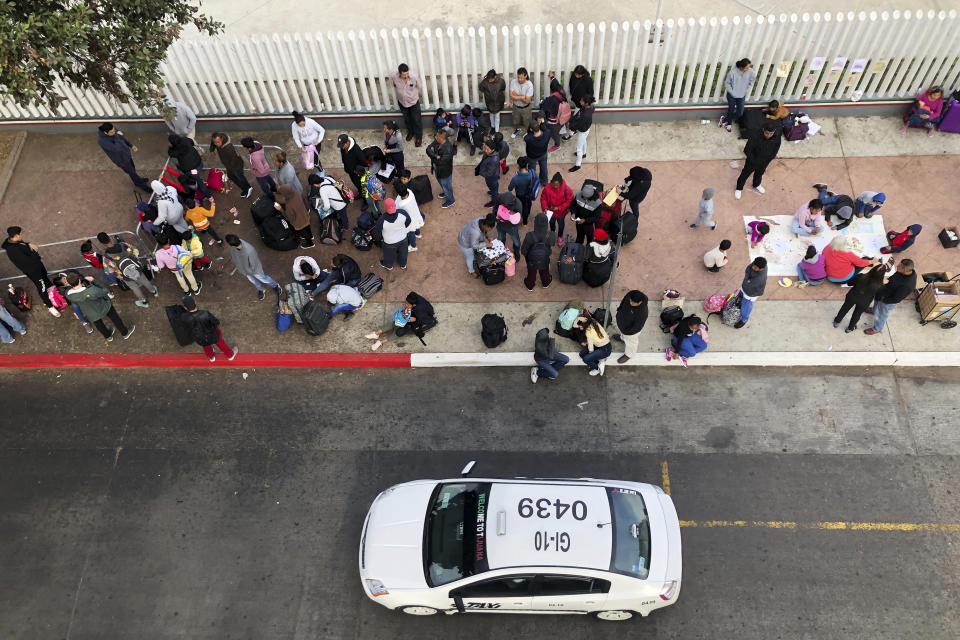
<point x="468" y="468"/>
<point x="458" y="602"/>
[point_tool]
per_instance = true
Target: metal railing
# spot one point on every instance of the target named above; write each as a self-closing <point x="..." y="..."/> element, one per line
<point x="134" y="237"/>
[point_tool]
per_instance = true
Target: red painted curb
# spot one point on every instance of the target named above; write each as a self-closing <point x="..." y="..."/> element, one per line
<point x="198" y="360"/>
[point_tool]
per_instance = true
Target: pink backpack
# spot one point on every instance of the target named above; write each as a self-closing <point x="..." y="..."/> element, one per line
<point x="56" y="299"/>
<point x="714" y="303"/>
<point x="510" y="268"/>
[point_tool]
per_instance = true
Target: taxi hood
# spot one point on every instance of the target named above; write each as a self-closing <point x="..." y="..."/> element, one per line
<point x="392" y="548"/>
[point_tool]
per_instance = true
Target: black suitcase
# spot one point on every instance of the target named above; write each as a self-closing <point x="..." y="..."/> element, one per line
<point x="261" y="209"/>
<point x="277" y="234"/>
<point x="181" y="329"/>
<point x="493" y="273"/>
<point x="421" y="188"/>
<point x="596" y="274"/>
<point x="570" y="262"/>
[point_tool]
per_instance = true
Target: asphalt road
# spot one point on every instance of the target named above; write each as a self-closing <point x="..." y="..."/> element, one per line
<point x="193" y="504"/>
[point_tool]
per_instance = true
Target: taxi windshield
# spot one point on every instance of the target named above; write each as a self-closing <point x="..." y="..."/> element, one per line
<point x="455" y="545"/>
<point x="631" y="533"/>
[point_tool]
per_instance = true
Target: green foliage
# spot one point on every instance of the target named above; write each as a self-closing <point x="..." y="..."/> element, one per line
<point x="113" y="46"/>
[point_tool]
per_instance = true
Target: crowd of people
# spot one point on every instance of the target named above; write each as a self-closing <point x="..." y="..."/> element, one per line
<point x="183" y="209"/>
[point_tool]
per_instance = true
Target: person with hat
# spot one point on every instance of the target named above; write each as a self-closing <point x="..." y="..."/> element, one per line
<point x="508" y="219"/>
<point x="493" y="90"/>
<point x="760" y="150"/>
<point x="868" y="203"/>
<point x="585" y="211"/>
<point x="489" y="170"/>
<point x="391" y="229"/>
<point x="705" y="212"/>
<point x="205" y="328"/>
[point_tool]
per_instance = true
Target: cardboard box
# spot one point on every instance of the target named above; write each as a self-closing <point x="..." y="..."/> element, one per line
<point x="946" y="240"/>
<point x="939" y="298"/>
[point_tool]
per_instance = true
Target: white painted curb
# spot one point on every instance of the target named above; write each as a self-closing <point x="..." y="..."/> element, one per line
<point x="708" y="359"/>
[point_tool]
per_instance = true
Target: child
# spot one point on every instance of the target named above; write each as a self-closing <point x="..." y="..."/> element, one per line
<point x="717" y="257"/>
<point x="191" y="242"/>
<point x="705" y="216"/>
<point x="393" y="145"/>
<point x="199" y="217"/>
<point x="758" y="229"/>
<point x="466" y="124"/>
<point x="96" y="261"/>
<point x="443" y="120"/>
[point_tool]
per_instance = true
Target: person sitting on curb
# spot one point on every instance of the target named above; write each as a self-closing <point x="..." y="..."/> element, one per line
<point x="598" y="348"/>
<point x="901" y="240"/>
<point x="414" y="316"/>
<point x="811" y="270"/>
<point x="549" y="360"/>
<point x="687" y="340"/>
<point x="716" y="258"/>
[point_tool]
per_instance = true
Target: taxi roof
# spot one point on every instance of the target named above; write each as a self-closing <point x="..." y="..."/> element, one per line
<point x="532" y="524"/>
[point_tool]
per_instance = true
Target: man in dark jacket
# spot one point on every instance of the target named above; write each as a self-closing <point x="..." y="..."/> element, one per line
<point x="25" y="256"/>
<point x="220" y="146"/>
<point x="585" y="211"/>
<point x="440" y="152"/>
<point x="753" y="285"/>
<point x="549" y="360"/>
<point x="536" y="248"/>
<point x="631" y="316"/>
<point x="581" y="84"/>
<point x="580" y="123"/>
<point x="637" y="186"/>
<point x="900" y="285"/>
<point x="119" y="149"/>
<point x="489" y="170"/>
<point x="352" y="156"/>
<point x="188" y="160"/>
<point x="205" y="328"/>
<point x="493" y="90"/>
<point x="761" y="149"/>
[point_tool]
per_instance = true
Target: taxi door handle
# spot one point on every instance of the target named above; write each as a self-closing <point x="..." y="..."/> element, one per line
<point x="519" y="603"/>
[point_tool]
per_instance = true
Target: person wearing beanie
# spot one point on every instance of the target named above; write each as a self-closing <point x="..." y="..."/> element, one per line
<point x="705" y="212"/>
<point x="868" y="203"/>
<point x="120" y="151"/>
<point x="391" y="230"/>
<point x="205" y="328"/>
<point x="600" y="248"/>
<point x="585" y="211"/>
<point x="536" y="249"/>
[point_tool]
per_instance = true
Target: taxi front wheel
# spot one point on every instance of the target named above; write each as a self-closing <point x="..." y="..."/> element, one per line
<point x="419" y="611"/>
<point x="614" y="616"/>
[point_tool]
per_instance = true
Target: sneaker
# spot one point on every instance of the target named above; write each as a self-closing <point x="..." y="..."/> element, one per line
<point x="473" y="151"/>
<point x="845" y="286"/>
<point x="683" y="361"/>
<point x="729" y="130"/>
<point x="489" y="203"/>
<point x="547" y="286"/>
<point x="849" y="329"/>
<point x="419" y="235"/>
<point x="156" y="292"/>
<point x="573" y="168"/>
<point x="669" y="354"/>
<point x="443" y="196"/>
<point x="566" y="136"/>
<point x="929" y="133"/>
<point x="129" y="332"/>
<point x="372" y="336"/>
<point x="739" y="325"/>
<point x="142" y="303"/>
<point x="248" y="193"/>
<point x="447" y="204"/>
<point x="110" y="337"/>
<point x="308" y="246"/>
<point x="869" y="310"/>
<point x="410" y="249"/>
<point x="801" y="284"/>
<point x="903" y="130"/>
<point x="737" y="194"/>
<point x="594" y="372"/>
<point x="261" y="294"/>
<point x="211" y="242"/>
<point x="12" y="340"/>
<point x="199" y="286"/>
<point x="376" y="345"/>
<point x="529" y="289"/>
<point x="212" y="358"/>
<point x="554" y="148"/>
<point x="603" y="366"/>
<point x="403" y="268"/>
<point x="54" y="312"/>
<point x="236" y="350"/>
<point x="380" y="262"/>
<point x="723" y="120"/>
<point x="871" y="331"/>
<point x="87" y="327"/>
<point x="693" y="226"/>
<point x="820" y="186"/>
<point x="623" y="359"/>
<point x="347" y="315"/>
<point x="836" y="324"/>
<point x="760" y="188"/>
<point x="533" y="375"/>
<point x="515" y="133"/>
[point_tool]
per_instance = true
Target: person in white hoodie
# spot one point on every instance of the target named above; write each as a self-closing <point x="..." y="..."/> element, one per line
<point x="392" y="228"/>
<point x="325" y="198"/>
<point x="407" y="202"/>
<point x="169" y="209"/>
<point x="308" y="136"/>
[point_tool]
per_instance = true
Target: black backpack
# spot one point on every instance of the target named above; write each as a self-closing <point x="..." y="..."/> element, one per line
<point x="369" y="285"/>
<point x="421" y="188"/>
<point x="315" y="318"/>
<point x="262" y="209"/>
<point x="539" y="254"/>
<point x="493" y="330"/>
<point x="670" y="316"/>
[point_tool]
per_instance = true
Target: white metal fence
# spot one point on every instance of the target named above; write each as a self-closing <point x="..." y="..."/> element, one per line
<point x="818" y="57"/>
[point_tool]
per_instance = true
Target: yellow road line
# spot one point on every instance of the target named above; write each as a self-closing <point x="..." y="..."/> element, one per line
<point x="823" y="526"/>
<point x="665" y="473"/>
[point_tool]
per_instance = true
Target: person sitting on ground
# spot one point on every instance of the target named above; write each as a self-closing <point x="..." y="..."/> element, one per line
<point x="415" y="316"/>
<point x="345" y="300"/>
<point x="926" y="111"/>
<point x="687" y="340"/>
<point x="549" y="360"/>
<point x="776" y="111"/>
<point x="443" y="119"/>
<point x="841" y="264"/>
<point x="811" y="270"/>
<point x="307" y="272"/>
<point x="808" y="219"/>
<point x="868" y="203"/>
<point x="838" y="205"/>
<point x="860" y="296"/>
<point x="758" y="229"/>
<point x="598" y="348"/>
<point x="717" y="257"/>
<point x="466" y="124"/>
<point x="901" y="240"/>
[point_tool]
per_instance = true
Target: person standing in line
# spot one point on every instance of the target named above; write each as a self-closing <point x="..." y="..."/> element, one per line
<point x="182" y="121"/>
<point x="393" y="145"/>
<point x="636" y="186"/>
<point x="120" y="151"/>
<point x="8" y="323"/>
<point x="631" y="316"/>
<point x="492" y="90"/>
<point x="122" y="262"/>
<point x="753" y="285"/>
<point x="598" y="348"/>
<point x="474" y="237"/>
<point x="294" y="208"/>
<point x="864" y="290"/>
<point x="521" y="184"/>
<point x="259" y="166"/>
<point x="716" y="258"/>
<point x="489" y="170"/>
<point x="95" y="304"/>
<point x="354" y="163"/>
<point x="580" y="124"/>
<point x="25" y="256"/>
<point x="556" y="197"/>
<point x="169" y="209"/>
<point x="536" y="142"/>
<point x="536" y="249"/>
<point x="508" y="208"/>
<point x="549" y="360"/>
<point x="308" y="136"/>
<point x="220" y="146"/>
<point x="405" y="201"/>
<point x="760" y="150"/>
<point x="521" y="93"/>
<point x="205" y="328"/>
<point x="705" y="211"/>
<point x="900" y="285"/>
<point x="392" y="228"/>
<point x="737" y="83"/>
<point x="407" y="87"/>
<point x="440" y="152"/>
<point x="180" y="263"/>
<point x="581" y="84"/>
<point x="550" y="106"/>
<point x="286" y="174"/>
<point x="96" y="260"/>
<point x="189" y="160"/>
<point x="247" y="262"/>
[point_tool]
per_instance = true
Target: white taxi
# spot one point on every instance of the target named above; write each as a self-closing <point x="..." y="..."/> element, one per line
<point x="608" y="548"/>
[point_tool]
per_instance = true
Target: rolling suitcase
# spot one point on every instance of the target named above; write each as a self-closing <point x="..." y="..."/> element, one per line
<point x="570" y="262"/>
<point x="181" y="329"/>
<point x="951" y="118"/>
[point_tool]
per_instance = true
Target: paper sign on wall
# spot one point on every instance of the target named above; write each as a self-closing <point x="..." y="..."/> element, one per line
<point x="833" y="75"/>
<point x="852" y="79"/>
<point x="859" y="64"/>
<point x="878" y="66"/>
<point x="809" y="80"/>
<point x="783" y="69"/>
<point x="838" y="64"/>
<point x="817" y="63"/>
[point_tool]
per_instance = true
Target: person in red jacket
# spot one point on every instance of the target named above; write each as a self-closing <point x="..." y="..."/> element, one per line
<point x="840" y="263"/>
<point x="557" y="197"/>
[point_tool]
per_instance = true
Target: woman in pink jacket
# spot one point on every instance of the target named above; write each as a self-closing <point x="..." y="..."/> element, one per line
<point x="259" y="166"/>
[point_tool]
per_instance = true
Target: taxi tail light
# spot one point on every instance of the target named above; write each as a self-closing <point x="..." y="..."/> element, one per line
<point x="376" y="588"/>
<point x="669" y="590"/>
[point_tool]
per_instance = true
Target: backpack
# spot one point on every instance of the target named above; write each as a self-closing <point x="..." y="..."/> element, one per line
<point x="56" y="299"/>
<point x="330" y="231"/>
<point x="215" y="180"/>
<point x="534" y="189"/>
<point x="277" y="234"/>
<point x="421" y="188"/>
<point x="564" y="113"/>
<point x="374" y="187"/>
<point x="362" y="239"/>
<point x="714" y="303"/>
<point x="538" y="253"/>
<point x="315" y="318"/>
<point x="493" y="330"/>
<point x="184" y="258"/>
<point x="261" y="209"/>
<point x="284" y="315"/>
<point x="369" y="285"/>
<point x="366" y="221"/>
<point x="670" y="316"/>
<point x="731" y="310"/>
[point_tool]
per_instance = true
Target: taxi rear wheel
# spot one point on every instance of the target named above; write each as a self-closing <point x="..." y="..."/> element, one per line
<point x="614" y="616"/>
<point x="417" y="610"/>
